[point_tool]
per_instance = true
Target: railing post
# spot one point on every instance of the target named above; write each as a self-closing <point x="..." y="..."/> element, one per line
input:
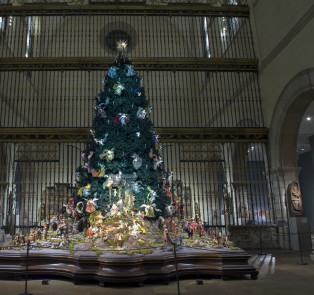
<point x="26" y="269"/>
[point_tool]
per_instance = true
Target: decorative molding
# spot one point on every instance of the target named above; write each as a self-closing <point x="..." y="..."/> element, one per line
<point x="307" y="17"/>
<point x="16" y="135"/>
<point x="120" y="269"/>
<point x="37" y="152"/>
<point x="245" y="135"/>
<point x="217" y="3"/>
<point x="201" y="152"/>
<point x="167" y="135"/>
<point x="186" y="9"/>
<point x="147" y="64"/>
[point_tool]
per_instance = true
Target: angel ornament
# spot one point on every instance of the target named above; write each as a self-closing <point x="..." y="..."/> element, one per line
<point x="101" y="110"/>
<point x="141" y="113"/>
<point x="150" y="210"/>
<point x="137" y="161"/>
<point x="124" y="119"/>
<point x="102" y="140"/>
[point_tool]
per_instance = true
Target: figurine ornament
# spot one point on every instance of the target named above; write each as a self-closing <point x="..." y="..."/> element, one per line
<point x="91" y="205"/>
<point x="137" y="161"/>
<point x="121" y="119"/>
<point x="112" y="73"/>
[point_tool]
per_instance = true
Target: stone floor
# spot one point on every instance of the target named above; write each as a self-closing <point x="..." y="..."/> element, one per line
<point x="280" y="274"/>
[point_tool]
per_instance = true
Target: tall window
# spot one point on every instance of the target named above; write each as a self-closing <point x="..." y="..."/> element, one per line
<point x="1" y="23"/>
<point x="229" y="26"/>
<point x="4" y="23"/>
<point x="30" y="37"/>
<point x="206" y="37"/>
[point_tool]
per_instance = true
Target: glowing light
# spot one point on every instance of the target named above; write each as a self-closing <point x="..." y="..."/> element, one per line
<point x="308" y="118"/>
<point x="206" y="37"/>
<point x="122" y="45"/>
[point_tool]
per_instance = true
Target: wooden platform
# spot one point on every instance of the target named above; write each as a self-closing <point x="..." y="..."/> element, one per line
<point x="108" y="268"/>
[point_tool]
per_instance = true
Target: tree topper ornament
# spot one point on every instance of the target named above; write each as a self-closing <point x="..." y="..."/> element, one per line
<point x="122" y="51"/>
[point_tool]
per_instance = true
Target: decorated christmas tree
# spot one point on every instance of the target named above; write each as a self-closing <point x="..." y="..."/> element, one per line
<point x="123" y="190"/>
<point x="122" y="164"/>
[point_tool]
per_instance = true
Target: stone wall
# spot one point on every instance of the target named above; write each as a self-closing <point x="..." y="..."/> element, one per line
<point x="254" y="237"/>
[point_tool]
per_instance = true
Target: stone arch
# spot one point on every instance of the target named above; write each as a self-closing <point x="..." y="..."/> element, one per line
<point x="289" y="110"/>
<point x="290" y="107"/>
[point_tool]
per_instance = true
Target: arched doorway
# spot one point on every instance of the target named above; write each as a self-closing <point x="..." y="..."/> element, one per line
<point x="305" y="151"/>
<point x="291" y="106"/>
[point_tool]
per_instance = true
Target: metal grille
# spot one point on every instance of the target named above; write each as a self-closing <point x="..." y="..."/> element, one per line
<point x="201" y="152"/>
<point x="225" y="182"/>
<point x="183" y="98"/>
<point x="229" y="182"/>
<point x="34" y="190"/>
<point x="149" y="36"/>
<point x="37" y="152"/>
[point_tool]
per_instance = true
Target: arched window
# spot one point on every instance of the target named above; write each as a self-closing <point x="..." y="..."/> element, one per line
<point x="116" y="35"/>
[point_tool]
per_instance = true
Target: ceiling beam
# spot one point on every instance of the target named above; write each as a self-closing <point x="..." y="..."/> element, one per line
<point x="191" y="9"/>
<point x="166" y="135"/>
<point x="147" y="64"/>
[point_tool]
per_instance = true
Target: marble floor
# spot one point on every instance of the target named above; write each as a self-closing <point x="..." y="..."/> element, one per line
<point x="280" y="274"/>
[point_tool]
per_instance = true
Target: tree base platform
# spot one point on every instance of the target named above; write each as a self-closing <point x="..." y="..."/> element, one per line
<point x="109" y="268"/>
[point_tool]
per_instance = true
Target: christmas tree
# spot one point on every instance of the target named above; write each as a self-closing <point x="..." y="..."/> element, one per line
<point x="122" y="164"/>
<point x="124" y="192"/>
